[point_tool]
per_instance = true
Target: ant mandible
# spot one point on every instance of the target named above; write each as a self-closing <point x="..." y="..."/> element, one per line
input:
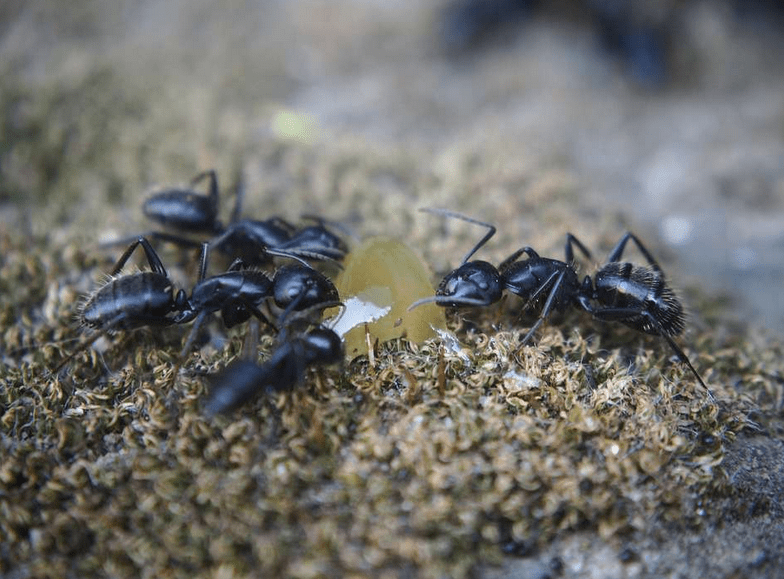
<point x="637" y="296"/>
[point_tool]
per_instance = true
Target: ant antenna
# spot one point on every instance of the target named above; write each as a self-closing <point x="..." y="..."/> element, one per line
<point x="446" y="300"/>
<point x="342" y="227"/>
<point x="448" y="213"/>
<point x="239" y="196"/>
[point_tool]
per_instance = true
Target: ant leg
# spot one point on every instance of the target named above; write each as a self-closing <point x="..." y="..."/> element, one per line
<point x="118" y="319"/>
<point x="317" y="253"/>
<point x="678" y="351"/>
<point x="157" y="235"/>
<point x="239" y="196"/>
<point x="257" y="313"/>
<point x="490" y="228"/>
<point x="513" y="258"/>
<point x="213" y="184"/>
<point x="683" y="358"/>
<point x="622" y="314"/>
<point x="191" y="337"/>
<point x="548" y="305"/>
<point x="295" y="256"/>
<point x="250" y="345"/>
<point x="205" y="252"/>
<point x="234" y="385"/>
<point x="238" y="265"/>
<point x="152" y="258"/>
<point x="188" y="344"/>
<point x="571" y="240"/>
<point x="222" y="237"/>
<point x="615" y="254"/>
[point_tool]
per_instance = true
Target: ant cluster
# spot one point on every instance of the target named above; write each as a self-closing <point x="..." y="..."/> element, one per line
<point x="296" y="290"/>
<point x="634" y="295"/>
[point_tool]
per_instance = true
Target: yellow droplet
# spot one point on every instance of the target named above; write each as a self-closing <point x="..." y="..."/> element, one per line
<point x="289" y="124"/>
<point x="387" y="273"/>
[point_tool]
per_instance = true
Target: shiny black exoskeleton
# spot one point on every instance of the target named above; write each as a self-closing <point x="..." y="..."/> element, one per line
<point x="254" y="241"/>
<point x="139" y="299"/>
<point x="148" y="298"/>
<point x="636" y="296"/>
<point x="186" y="210"/>
<point x="286" y="366"/>
<point x="131" y="301"/>
<point x="239" y="293"/>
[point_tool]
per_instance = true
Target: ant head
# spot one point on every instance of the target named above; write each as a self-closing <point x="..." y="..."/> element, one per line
<point x="474" y="283"/>
<point x="324" y="346"/>
<point x="302" y="287"/>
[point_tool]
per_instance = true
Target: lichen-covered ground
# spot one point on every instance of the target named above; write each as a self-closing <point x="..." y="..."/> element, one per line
<point x="590" y="452"/>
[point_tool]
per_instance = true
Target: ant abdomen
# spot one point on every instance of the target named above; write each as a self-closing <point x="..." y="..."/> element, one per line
<point x="129" y="302"/>
<point x="626" y="286"/>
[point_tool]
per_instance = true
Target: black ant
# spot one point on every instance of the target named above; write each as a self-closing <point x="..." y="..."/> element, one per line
<point x="186" y="210"/>
<point x="239" y="292"/>
<point x="145" y="298"/>
<point x="255" y="241"/>
<point x="637" y="296"/>
<point x="148" y="298"/>
<point x="243" y="379"/>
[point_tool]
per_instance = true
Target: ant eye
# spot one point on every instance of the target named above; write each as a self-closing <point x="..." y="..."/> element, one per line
<point x="450" y="287"/>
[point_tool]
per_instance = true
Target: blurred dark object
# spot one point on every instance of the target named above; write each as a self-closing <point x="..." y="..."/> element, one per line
<point x="642" y="36"/>
<point x="638" y="38"/>
<point x="469" y="24"/>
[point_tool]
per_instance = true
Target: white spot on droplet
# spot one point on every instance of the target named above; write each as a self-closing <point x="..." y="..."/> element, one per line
<point x="356" y="311"/>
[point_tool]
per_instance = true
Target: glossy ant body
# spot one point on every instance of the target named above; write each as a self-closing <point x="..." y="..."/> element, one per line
<point x="186" y="210"/>
<point x="243" y="379"/>
<point x="637" y="296"/>
<point x="148" y="298"/>
<point x="239" y="292"/>
<point x="130" y="301"/>
<point x="255" y="241"/>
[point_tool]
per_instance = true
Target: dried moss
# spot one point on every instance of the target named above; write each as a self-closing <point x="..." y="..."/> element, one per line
<point x="423" y="459"/>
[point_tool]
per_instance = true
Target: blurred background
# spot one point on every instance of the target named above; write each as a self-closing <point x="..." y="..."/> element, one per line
<point x="542" y="117"/>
